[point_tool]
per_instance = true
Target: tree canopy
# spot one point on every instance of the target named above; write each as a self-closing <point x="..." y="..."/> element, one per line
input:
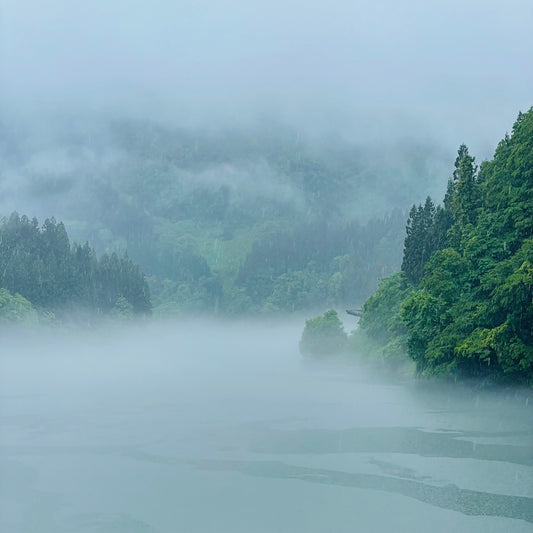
<point x="323" y="335"/>
<point x="471" y="265"/>
<point x="39" y="265"/>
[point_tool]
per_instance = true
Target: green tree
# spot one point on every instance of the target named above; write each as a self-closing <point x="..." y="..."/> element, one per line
<point x="323" y="335"/>
<point x="381" y="329"/>
<point x="465" y="198"/>
<point x="421" y="240"/>
<point x="15" y="308"/>
<point x="40" y="264"/>
<point x="380" y="316"/>
<point x="472" y="311"/>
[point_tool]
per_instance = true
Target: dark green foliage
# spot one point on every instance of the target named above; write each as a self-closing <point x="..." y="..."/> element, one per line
<point x="120" y="278"/>
<point x="40" y="264"/>
<point x="438" y="306"/>
<point x="425" y="234"/>
<point x="323" y="336"/>
<point x="465" y="197"/>
<point x="382" y="332"/>
<point x="472" y="313"/>
<point x="381" y="312"/>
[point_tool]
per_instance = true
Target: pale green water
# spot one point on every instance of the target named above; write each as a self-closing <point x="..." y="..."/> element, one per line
<point x="217" y="428"/>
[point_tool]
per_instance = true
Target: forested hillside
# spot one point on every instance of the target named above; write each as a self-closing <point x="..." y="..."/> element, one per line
<point x="463" y="302"/>
<point x="257" y="220"/>
<point x="41" y="270"/>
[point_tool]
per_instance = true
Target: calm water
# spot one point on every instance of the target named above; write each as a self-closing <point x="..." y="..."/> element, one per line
<point x="223" y="428"/>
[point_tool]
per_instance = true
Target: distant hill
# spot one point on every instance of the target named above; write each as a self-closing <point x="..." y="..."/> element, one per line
<point x="257" y="220"/>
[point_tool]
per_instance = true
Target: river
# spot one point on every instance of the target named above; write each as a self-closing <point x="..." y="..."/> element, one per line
<point x="222" y="427"/>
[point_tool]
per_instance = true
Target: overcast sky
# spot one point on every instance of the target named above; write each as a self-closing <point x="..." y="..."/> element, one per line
<point x="460" y="68"/>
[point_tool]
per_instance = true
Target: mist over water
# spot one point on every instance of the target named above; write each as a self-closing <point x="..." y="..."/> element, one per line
<point x="112" y="116"/>
<point x="221" y="426"/>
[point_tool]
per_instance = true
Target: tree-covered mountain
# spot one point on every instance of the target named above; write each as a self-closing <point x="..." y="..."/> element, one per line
<point x="463" y="302"/>
<point x="40" y="269"/>
<point x="224" y="221"/>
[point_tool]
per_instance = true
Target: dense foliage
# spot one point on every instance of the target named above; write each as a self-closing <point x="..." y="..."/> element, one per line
<point x="228" y="222"/>
<point x="323" y="335"/>
<point x="318" y="264"/>
<point x="471" y="262"/>
<point x="40" y="268"/>
<point x="381" y="318"/>
<point x="15" y="308"/>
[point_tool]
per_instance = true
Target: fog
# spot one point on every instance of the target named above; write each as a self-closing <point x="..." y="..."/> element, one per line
<point x="48" y="165"/>
<point x="377" y="76"/>
<point x="214" y="426"/>
<point x="456" y="71"/>
<point x="224" y="427"/>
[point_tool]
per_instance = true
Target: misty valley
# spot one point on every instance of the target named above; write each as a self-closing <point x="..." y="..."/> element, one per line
<point x="176" y="353"/>
<point x="222" y="222"/>
<point x="266" y="266"/>
<point x="154" y="222"/>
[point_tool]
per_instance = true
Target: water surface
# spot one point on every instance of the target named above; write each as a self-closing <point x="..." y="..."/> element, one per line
<point x="208" y="427"/>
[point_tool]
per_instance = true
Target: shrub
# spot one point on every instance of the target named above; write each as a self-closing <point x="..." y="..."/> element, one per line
<point x="323" y="335"/>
